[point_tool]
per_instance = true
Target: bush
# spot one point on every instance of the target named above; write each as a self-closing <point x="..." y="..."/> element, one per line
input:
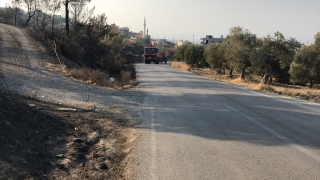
<point x="99" y="78"/>
<point x="94" y="44"/>
<point x="70" y="47"/>
<point x="96" y="77"/>
<point x="125" y="77"/>
<point x="81" y="73"/>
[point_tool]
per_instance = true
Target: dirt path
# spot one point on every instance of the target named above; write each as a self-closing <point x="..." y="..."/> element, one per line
<point x="23" y="68"/>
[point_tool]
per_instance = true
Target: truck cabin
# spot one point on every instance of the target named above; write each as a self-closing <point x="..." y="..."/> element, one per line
<point x="150" y="50"/>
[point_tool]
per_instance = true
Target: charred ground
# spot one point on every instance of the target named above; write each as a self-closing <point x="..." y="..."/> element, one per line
<point x="40" y="140"/>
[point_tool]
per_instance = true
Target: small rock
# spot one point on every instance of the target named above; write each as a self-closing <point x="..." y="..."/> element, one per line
<point x="61" y="166"/>
<point x="66" y="109"/>
<point x="95" y="155"/>
<point x="32" y="105"/>
<point x="127" y="86"/>
<point x="104" y="166"/>
<point x="60" y="156"/>
<point x="279" y="93"/>
<point x="93" y="138"/>
<point x="77" y="140"/>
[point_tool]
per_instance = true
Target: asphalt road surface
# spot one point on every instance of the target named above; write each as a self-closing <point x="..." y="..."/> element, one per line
<point x="196" y="128"/>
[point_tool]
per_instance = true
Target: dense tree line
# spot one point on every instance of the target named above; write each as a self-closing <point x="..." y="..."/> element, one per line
<point x="273" y="56"/>
<point x="86" y="39"/>
<point x="191" y="54"/>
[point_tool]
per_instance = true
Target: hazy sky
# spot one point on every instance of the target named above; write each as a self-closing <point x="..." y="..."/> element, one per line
<point x="181" y="19"/>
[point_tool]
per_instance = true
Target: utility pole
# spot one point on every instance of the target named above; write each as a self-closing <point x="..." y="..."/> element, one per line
<point x="147" y="37"/>
<point x="144" y="29"/>
<point x="193" y="39"/>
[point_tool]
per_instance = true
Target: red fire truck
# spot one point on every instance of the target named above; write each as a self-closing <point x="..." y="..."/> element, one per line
<point x="152" y="54"/>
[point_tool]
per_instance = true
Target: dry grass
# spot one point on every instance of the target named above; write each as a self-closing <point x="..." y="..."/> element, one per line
<point x="56" y="67"/>
<point x="239" y="82"/>
<point x="125" y="77"/>
<point x="96" y="77"/>
<point x="297" y="90"/>
<point x="81" y="73"/>
<point x="263" y="87"/>
<point x="180" y="65"/>
<point x="253" y="82"/>
<point x="99" y="78"/>
<point x="248" y="84"/>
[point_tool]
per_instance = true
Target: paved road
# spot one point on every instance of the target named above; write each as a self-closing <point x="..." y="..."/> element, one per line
<point x="195" y="128"/>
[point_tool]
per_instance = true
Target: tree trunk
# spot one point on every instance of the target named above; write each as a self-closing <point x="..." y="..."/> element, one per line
<point x="27" y="21"/>
<point x="223" y="71"/>
<point x="30" y="16"/>
<point x="75" y="15"/>
<point x="230" y="72"/>
<point x="67" y="16"/>
<point x="15" y="17"/>
<point x="243" y="73"/>
<point x="311" y="83"/>
<point x="38" y="22"/>
<point x="52" y="24"/>
<point x="264" y="80"/>
<point x="267" y="76"/>
<point x="270" y="80"/>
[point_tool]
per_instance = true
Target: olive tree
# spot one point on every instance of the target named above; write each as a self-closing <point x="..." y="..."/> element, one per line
<point x="306" y="64"/>
<point x="239" y="44"/>
<point x="193" y="55"/>
<point x="179" y="52"/>
<point x="274" y="54"/>
<point x="214" y="56"/>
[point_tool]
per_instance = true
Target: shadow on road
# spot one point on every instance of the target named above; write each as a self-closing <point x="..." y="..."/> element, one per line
<point x="213" y="110"/>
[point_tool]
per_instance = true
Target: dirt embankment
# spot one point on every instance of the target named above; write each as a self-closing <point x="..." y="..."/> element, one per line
<point x="48" y="129"/>
<point x="40" y="140"/>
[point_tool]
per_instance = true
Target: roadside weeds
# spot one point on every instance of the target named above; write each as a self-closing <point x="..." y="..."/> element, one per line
<point x="253" y="82"/>
<point x="180" y="65"/>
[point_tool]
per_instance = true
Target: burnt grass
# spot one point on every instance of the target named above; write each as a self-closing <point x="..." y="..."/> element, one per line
<point x="30" y="130"/>
<point x="38" y="141"/>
